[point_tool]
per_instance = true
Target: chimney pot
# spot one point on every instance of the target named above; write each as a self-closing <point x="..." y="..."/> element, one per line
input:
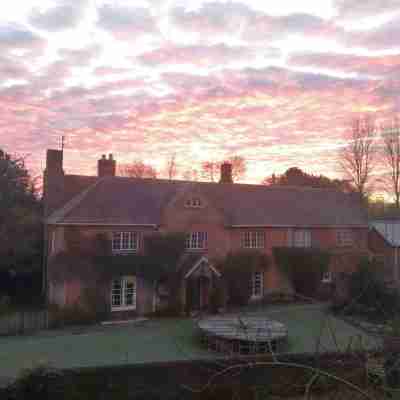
<point x="106" y="167"/>
<point x="226" y="173"/>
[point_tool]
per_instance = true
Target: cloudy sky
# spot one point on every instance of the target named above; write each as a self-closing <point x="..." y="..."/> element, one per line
<point x="276" y="82"/>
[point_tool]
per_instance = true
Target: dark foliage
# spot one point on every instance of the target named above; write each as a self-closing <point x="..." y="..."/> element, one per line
<point x="171" y="380"/>
<point x="303" y="266"/>
<point x="237" y="269"/>
<point x="369" y="294"/>
<point x="296" y="177"/>
<point x="20" y="217"/>
<point x="163" y="251"/>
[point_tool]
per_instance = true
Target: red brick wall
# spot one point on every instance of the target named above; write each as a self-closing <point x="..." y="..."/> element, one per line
<point x="221" y="240"/>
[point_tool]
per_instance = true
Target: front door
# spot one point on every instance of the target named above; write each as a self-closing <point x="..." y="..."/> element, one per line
<point x="204" y="291"/>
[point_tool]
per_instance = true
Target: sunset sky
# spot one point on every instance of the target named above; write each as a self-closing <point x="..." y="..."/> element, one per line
<point x="276" y="82"/>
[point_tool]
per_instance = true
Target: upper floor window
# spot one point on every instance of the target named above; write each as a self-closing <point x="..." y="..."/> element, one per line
<point x="194" y="202"/>
<point x="253" y="239"/>
<point x="196" y="240"/>
<point x="301" y="238"/>
<point x="344" y="237"/>
<point x="125" y="241"/>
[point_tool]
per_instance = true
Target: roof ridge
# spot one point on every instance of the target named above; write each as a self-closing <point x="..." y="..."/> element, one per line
<point x="62" y="212"/>
<point x="238" y="184"/>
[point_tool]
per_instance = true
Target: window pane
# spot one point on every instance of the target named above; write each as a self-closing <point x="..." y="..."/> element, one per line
<point x="116" y="293"/>
<point x="125" y="240"/>
<point x="260" y="239"/>
<point x="257" y="284"/>
<point x="247" y="239"/>
<point x="187" y="242"/>
<point x="116" y="241"/>
<point x="134" y="241"/>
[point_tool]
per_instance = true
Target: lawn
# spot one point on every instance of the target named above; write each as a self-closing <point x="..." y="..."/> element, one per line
<point x="161" y="340"/>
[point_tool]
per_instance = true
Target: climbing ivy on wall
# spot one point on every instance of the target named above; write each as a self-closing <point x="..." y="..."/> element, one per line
<point x="237" y="269"/>
<point x="303" y="266"/>
<point x="94" y="259"/>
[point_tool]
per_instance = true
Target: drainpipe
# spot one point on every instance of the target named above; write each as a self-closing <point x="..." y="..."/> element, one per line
<point x="396" y="266"/>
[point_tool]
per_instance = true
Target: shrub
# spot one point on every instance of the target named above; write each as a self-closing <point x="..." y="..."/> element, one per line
<point x="368" y="293"/>
<point x="237" y="269"/>
<point x="5" y="305"/>
<point x="304" y="267"/>
<point x="41" y="382"/>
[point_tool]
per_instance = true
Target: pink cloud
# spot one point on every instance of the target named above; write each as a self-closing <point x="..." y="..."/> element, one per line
<point x="371" y="65"/>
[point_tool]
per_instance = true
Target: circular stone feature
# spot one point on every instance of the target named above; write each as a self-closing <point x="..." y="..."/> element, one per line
<point x="242" y="334"/>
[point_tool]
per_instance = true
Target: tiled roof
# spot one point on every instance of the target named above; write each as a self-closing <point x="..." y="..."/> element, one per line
<point x="118" y="200"/>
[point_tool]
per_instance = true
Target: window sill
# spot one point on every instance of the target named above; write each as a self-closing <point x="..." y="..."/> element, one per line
<point x="123" y="308"/>
<point x="195" y="250"/>
<point x="124" y="251"/>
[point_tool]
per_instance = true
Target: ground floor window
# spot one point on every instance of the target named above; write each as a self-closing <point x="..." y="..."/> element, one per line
<point x="257" y="284"/>
<point x="123" y="293"/>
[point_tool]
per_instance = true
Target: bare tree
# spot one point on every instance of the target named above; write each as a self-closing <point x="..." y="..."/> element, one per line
<point x="191" y="175"/>
<point x="171" y="167"/>
<point x="137" y="169"/>
<point x="210" y="170"/>
<point x="238" y="167"/>
<point x="391" y="150"/>
<point x="358" y="156"/>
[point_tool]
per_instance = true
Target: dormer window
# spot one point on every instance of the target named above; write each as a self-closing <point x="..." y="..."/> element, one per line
<point x="193" y="202"/>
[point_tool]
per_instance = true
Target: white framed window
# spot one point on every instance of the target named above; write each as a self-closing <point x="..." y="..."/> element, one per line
<point x="194" y="202"/>
<point x="123" y="293"/>
<point x="344" y="237"/>
<point x="257" y="284"/>
<point x="302" y="238"/>
<point x="327" y="277"/>
<point x="196" y="241"/>
<point x="125" y="241"/>
<point x="253" y="239"/>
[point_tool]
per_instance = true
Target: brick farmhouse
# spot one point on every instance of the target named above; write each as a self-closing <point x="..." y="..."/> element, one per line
<point x="217" y="218"/>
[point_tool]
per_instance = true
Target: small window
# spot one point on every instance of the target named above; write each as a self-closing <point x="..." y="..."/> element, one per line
<point x="125" y="241"/>
<point x="253" y="240"/>
<point x="302" y="238"/>
<point x="194" y="202"/>
<point x="327" y="277"/>
<point x="196" y="241"/>
<point x="344" y="237"/>
<point x="123" y="293"/>
<point x="257" y="284"/>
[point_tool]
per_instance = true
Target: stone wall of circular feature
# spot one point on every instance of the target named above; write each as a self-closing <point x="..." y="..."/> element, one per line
<point x="243" y="334"/>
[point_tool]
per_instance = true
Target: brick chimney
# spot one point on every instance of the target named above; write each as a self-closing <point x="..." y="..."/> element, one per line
<point x="106" y="166"/>
<point x="53" y="181"/>
<point x="226" y="173"/>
